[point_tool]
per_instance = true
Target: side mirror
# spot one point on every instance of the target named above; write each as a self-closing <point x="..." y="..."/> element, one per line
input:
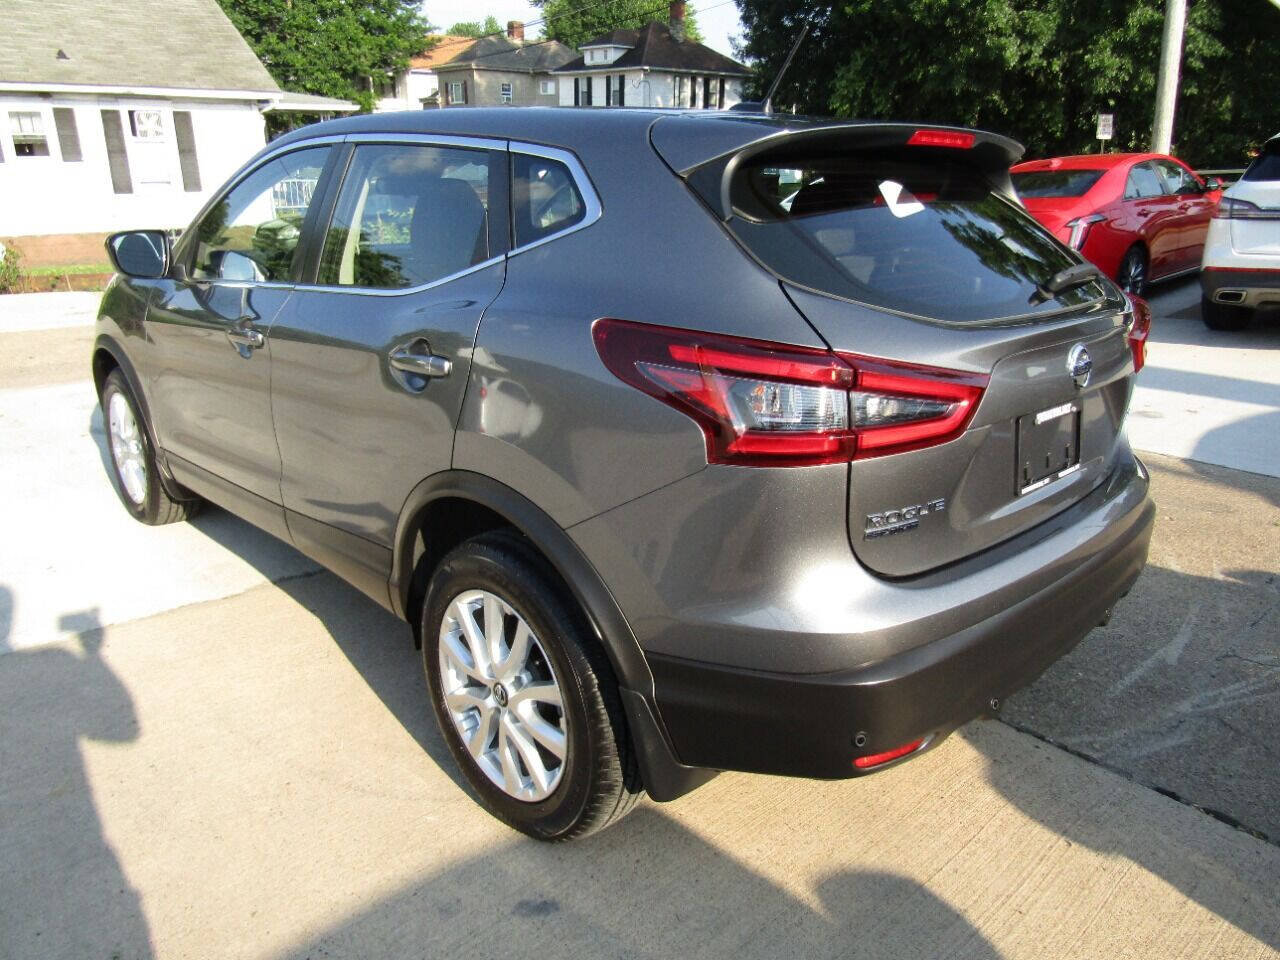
<point x="140" y="253"/>
<point x="1213" y="183"/>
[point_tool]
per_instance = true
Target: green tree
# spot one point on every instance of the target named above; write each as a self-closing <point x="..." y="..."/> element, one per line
<point x="574" y="23"/>
<point x="474" y="28"/>
<point x="332" y="48"/>
<point x="1037" y="70"/>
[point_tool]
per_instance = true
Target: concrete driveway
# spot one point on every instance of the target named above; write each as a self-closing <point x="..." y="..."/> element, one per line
<point x="210" y="748"/>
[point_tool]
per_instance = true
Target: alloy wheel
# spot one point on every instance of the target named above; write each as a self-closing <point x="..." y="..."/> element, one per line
<point x="1133" y="273"/>
<point x="502" y="695"/>
<point x="126" y="448"/>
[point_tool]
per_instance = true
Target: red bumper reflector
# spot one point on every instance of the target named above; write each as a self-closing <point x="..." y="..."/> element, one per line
<point x="941" y="138"/>
<point x="875" y="759"/>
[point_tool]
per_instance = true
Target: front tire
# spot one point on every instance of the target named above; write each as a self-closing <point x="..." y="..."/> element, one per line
<point x="1224" y="316"/>
<point x="133" y="458"/>
<point x="524" y="695"/>
<point x="1132" y="275"/>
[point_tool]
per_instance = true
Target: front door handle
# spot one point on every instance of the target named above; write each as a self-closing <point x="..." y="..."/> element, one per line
<point x="421" y="364"/>
<point x="245" y="339"/>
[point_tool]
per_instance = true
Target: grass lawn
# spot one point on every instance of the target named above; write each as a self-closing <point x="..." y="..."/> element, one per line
<point x="72" y="269"/>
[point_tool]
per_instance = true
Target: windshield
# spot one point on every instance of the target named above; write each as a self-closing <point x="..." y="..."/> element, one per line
<point x="1055" y="183"/>
<point x="902" y="229"/>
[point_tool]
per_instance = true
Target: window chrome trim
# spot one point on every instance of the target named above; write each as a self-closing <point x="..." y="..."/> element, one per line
<point x="397" y="291"/>
<point x="590" y="199"/>
<point x="429" y="140"/>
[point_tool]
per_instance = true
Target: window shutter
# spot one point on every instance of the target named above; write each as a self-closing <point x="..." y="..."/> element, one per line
<point x="113" y="132"/>
<point x="720" y="102"/>
<point x="577" y="92"/>
<point x="64" y="119"/>
<point x="622" y="85"/>
<point x="187" y="151"/>
<point x="464" y="91"/>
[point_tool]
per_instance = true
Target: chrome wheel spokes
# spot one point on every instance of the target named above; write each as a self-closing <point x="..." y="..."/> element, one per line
<point x="126" y="448"/>
<point x="502" y="694"/>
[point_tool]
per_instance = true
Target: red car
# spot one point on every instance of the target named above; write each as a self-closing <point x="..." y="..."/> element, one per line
<point x="1139" y="216"/>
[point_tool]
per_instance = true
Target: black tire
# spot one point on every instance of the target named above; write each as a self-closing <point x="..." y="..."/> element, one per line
<point x="156" y="507"/>
<point x="1224" y="316"/>
<point x="1132" y="274"/>
<point x="599" y="781"/>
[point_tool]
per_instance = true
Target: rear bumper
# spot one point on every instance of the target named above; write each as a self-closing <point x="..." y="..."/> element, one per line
<point x="1245" y="287"/>
<point x="808" y="724"/>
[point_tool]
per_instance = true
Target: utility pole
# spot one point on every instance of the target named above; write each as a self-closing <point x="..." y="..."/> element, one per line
<point x="1175" y="22"/>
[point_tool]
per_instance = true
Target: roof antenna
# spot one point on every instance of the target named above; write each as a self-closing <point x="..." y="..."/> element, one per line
<point x="767" y="106"/>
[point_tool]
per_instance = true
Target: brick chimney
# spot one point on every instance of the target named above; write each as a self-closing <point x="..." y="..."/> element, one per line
<point x="677" y="19"/>
<point x="515" y="30"/>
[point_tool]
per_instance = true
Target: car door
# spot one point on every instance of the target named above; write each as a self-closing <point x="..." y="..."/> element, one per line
<point x="1192" y="211"/>
<point x="1151" y="210"/>
<point x="370" y="360"/>
<point x="209" y="327"/>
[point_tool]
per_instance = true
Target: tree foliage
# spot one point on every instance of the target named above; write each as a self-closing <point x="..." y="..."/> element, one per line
<point x="331" y="48"/>
<point x="475" y="28"/>
<point x="574" y="23"/>
<point x="1037" y="70"/>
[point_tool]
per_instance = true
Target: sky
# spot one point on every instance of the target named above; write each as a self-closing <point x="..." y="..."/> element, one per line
<point x="717" y="19"/>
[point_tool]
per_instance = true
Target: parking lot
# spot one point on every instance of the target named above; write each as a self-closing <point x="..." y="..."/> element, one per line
<point x="210" y="747"/>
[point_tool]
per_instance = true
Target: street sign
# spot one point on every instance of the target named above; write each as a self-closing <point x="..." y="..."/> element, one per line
<point x="1106" y="125"/>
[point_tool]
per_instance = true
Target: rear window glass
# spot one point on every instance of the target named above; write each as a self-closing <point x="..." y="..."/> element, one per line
<point x="1265" y="166"/>
<point x="544" y="198"/>
<point x="1055" y="183"/>
<point x="918" y="234"/>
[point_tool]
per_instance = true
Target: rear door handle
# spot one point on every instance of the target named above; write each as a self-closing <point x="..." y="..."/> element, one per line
<point x="419" y="364"/>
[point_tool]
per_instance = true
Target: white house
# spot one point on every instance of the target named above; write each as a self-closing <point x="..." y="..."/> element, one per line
<point x="119" y="115"/>
<point x="655" y="66"/>
<point x="419" y="84"/>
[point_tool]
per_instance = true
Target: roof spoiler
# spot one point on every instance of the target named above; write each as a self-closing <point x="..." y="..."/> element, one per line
<point x="712" y="175"/>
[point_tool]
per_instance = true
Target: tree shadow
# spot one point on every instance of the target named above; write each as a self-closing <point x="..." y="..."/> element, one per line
<point x="63" y="892"/>
<point x="647" y="889"/>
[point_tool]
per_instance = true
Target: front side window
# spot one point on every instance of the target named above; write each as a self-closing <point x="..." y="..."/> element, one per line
<point x="252" y="232"/>
<point x="1143" y="183"/>
<point x="544" y="198"/>
<point x="506" y="93"/>
<point x="1176" y="179"/>
<point x="29" y="138"/>
<point x="899" y="229"/>
<point x="407" y="215"/>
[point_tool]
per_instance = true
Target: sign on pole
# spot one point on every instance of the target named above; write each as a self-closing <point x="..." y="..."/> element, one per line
<point x="1106" y="125"/>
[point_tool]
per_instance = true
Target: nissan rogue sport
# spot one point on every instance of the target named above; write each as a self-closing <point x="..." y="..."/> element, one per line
<point x="685" y="442"/>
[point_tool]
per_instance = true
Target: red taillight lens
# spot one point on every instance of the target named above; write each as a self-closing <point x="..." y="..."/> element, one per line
<point x="941" y="138"/>
<point x="1139" y="330"/>
<point x="876" y="759"/>
<point x="767" y="404"/>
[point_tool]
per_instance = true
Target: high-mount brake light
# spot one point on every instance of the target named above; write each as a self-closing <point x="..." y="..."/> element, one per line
<point x="941" y="138"/>
<point x="767" y="404"/>
<point x="1139" y="330"/>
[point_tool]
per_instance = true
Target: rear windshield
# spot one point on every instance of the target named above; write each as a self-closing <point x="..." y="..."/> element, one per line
<point x="1266" y="165"/>
<point x="900" y="229"/>
<point x="1055" y="183"/>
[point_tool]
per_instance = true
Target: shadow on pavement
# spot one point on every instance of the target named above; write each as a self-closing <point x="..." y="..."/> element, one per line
<point x="648" y="888"/>
<point x="62" y="890"/>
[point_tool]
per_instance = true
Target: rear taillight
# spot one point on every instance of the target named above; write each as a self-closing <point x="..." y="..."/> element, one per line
<point x="1139" y="324"/>
<point x="1230" y="208"/>
<point x="767" y="404"/>
<point x="1080" y="227"/>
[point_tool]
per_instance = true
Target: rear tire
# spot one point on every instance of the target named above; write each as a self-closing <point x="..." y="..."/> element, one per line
<point x="553" y="772"/>
<point x="133" y="459"/>
<point x="1132" y="275"/>
<point x="1224" y="316"/>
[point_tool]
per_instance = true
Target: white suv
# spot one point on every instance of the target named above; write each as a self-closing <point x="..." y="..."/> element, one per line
<point x="1241" y="266"/>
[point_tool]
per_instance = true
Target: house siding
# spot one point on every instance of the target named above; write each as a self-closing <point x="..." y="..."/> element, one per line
<point x="484" y="88"/>
<point x="653" y="88"/>
<point x="52" y="195"/>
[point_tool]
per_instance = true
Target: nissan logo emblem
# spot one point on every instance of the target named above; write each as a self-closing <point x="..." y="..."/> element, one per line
<point x="1079" y="364"/>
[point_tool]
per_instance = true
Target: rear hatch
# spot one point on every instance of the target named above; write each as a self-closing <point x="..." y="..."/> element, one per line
<point x="909" y="254"/>
<point x="1257" y="232"/>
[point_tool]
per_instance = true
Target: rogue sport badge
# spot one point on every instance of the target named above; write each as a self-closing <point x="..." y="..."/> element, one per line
<point x="1079" y="364"/>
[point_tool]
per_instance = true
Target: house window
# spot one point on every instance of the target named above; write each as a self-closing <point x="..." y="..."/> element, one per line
<point x="146" y="124"/>
<point x="582" y="91"/>
<point x="613" y="90"/>
<point x="28" y="134"/>
<point x="546" y="87"/>
<point x="506" y="92"/>
<point x="457" y="92"/>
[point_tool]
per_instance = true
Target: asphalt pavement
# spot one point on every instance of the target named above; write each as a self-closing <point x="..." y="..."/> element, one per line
<point x="208" y="747"/>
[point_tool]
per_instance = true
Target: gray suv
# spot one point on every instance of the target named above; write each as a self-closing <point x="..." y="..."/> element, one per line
<point x="685" y="442"/>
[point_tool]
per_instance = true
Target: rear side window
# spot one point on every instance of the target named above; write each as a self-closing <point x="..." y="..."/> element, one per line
<point x="902" y="229"/>
<point x="1055" y="183"/>
<point x="544" y="198"/>
<point x="407" y="215"/>
<point x="1143" y="182"/>
<point x="1266" y="165"/>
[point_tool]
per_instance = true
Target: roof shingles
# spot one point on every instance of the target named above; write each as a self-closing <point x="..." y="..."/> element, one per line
<point x="654" y="47"/>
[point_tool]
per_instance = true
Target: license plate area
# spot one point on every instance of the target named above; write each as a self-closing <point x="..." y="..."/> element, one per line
<point x="1048" y="446"/>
